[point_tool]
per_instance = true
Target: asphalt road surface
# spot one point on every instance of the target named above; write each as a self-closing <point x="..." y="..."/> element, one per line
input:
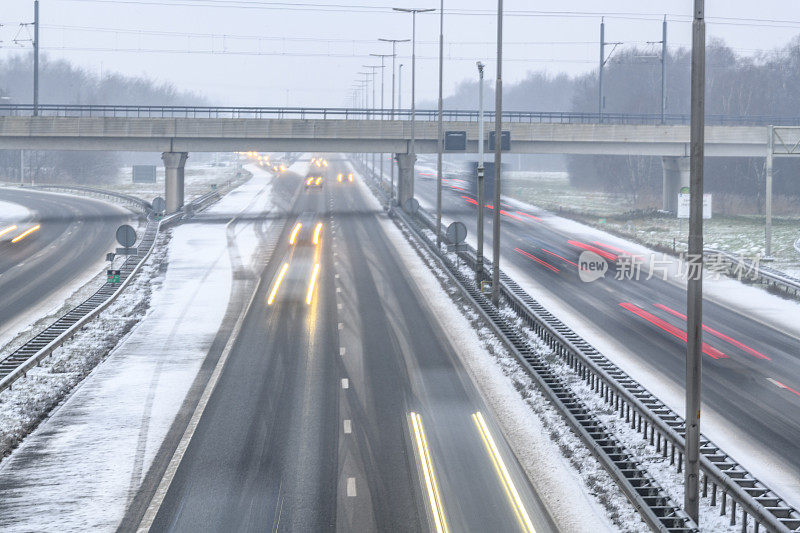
<point x="343" y="405"/>
<point x="75" y="233"/>
<point x="751" y="371"/>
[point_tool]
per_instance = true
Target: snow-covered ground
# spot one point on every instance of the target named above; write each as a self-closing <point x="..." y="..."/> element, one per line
<point x="11" y="213"/>
<point x="79" y="469"/>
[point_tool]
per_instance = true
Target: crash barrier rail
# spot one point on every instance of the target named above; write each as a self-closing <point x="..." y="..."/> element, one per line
<point x="30" y="354"/>
<point x="645" y="413"/>
<point x="343" y="113"/>
<point x="797" y="246"/>
<point x="750" y="270"/>
<point x="141" y="205"/>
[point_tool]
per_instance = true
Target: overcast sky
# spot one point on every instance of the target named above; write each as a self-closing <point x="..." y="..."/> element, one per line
<point x="262" y="52"/>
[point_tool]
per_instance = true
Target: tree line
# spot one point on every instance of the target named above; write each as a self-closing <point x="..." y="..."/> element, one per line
<point x="764" y="84"/>
<point x="61" y="82"/>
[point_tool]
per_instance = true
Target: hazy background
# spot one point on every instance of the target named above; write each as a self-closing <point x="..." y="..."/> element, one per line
<point x="309" y="53"/>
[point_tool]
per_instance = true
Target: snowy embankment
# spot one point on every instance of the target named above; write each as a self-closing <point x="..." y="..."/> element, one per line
<point x="11" y="213"/>
<point x="81" y="467"/>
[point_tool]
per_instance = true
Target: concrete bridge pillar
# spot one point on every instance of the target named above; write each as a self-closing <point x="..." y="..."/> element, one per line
<point x="405" y="177"/>
<point x="174" y="164"/>
<point x="676" y="175"/>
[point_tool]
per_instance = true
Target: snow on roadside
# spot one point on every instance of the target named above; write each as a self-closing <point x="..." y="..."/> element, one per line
<point x="12" y="213"/>
<point x="81" y="467"/>
<point x="763" y="306"/>
<point x="573" y="486"/>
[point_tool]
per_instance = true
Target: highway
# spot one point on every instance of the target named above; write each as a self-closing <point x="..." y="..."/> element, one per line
<point x="343" y="404"/>
<point x="75" y="234"/>
<point x="751" y="371"/>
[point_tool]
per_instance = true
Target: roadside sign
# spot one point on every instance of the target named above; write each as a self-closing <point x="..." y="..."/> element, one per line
<point x="684" y="200"/>
<point x="159" y="205"/>
<point x="456" y="232"/>
<point x="411" y="206"/>
<point x="486" y="287"/>
<point x="144" y="173"/>
<point x="455" y="141"/>
<point x="505" y="141"/>
<point x="126" y="235"/>
<point x="110" y="256"/>
<point x="112" y="276"/>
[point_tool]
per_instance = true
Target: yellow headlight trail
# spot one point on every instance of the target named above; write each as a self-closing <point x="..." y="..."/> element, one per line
<point x="8" y="230"/>
<point x="25" y="233"/>
<point x="317" y="231"/>
<point x="311" y="283"/>
<point x="295" y="231"/>
<point x="277" y="285"/>
<point x="502" y="472"/>
<point x="431" y="485"/>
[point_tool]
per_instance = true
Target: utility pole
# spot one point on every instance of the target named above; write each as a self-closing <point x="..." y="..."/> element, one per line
<point x="400" y="87"/>
<point x="394" y="60"/>
<point x="498" y="144"/>
<point x="664" y="70"/>
<point x="479" y="255"/>
<point x="600" y="72"/>
<point x="601" y="104"/>
<point x="35" y="58"/>
<point x="440" y="132"/>
<point x="413" y="147"/>
<point x="694" y="295"/>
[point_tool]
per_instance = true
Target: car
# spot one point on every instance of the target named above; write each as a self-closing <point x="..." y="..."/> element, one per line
<point x="307" y="231"/>
<point x="313" y="182"/>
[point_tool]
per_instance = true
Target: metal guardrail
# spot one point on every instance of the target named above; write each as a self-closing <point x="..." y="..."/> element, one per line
<point x="324" y="113"/>
<point x="17" y="365"/>
<point x="142" y="205"/>
<point x="755" y="271"/>
<point x="644" y="412"/>
<point x="30" y="354"/>
<point x="797" y="246"/>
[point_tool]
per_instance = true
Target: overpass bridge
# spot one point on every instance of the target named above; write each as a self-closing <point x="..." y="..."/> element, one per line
<point x="176" y="131"/>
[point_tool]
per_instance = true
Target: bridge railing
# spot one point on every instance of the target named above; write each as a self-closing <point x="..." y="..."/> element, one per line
<point x="343" y="113"/>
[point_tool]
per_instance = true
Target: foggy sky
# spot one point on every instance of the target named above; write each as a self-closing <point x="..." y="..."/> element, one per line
<point x="321" y="71"/>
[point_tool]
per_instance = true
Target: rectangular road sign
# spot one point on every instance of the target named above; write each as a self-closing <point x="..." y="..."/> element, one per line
<point x="144" y="173"/>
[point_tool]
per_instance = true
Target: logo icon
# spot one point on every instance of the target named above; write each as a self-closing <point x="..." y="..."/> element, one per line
<point x="591" y="266"/>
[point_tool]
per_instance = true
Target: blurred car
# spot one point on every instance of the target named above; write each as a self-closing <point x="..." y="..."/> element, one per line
<point x="313" y="182"/>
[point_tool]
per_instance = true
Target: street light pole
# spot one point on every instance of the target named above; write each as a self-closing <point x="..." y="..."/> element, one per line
<point x="479" y="255"/>
<point x="694" y="295"/>
<point x="498" y="144"/>
<point x="400" y="87"/>
<point x="383" y="107"/>
<point x="440" y="131"/>
<point x="36" y="58"/>
<point x="394" y="60"/>
<point x="373" y="67"/>
<point x="413" y="148"/>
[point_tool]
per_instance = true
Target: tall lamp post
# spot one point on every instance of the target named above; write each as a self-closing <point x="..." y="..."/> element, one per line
<point x="479" y="254"/>
<point x="372" y="68"/>
<point x="394" y="60"/>
<point x="694" y="294"/>
<point x="498" y="144"/>
<point x="383" y="71"/>
<point x="413" y="147"/>
<point x="440" y="131"/>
